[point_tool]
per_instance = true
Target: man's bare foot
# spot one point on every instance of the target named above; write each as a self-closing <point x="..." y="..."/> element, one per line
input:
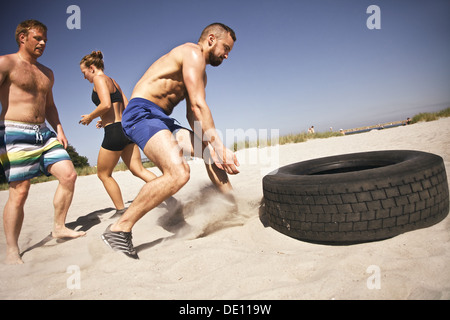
<point x="60" y="233"/>
<point x="13" y="256"/>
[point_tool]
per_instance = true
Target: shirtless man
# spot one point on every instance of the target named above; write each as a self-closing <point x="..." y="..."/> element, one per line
<point x="178" y="75"/>
<point x="27" y="146"/>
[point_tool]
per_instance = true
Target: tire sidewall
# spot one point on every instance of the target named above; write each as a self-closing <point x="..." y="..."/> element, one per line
<point x="402" y="162"/>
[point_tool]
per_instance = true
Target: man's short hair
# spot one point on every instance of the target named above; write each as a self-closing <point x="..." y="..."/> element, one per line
<point x="26" y="25"/>
<point x="217" y="29"/>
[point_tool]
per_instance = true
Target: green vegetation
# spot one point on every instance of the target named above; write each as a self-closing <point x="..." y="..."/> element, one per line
<point x="431" y="116"/>
<point x="290" y="138"/>
<point x="77" y="160"/>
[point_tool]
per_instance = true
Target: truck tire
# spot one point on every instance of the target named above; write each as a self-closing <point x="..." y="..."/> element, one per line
<point x="358" y="197"/>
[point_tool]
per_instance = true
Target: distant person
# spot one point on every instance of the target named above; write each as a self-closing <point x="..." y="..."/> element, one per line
<point x="311" y="129"/>
<point x="27" y="146"/>
<point x="408" y="120"/>
<point x="111" y="101"/>
<point x="178" y="75"/>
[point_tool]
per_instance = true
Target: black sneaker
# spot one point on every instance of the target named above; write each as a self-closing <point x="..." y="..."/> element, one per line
<point x="120" y="241"/>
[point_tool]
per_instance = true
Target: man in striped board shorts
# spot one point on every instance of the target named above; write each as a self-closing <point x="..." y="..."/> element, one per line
<point x="27" y="147"/>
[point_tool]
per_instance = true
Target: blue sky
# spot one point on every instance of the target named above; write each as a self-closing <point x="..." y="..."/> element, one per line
<point x="295" y="63"/>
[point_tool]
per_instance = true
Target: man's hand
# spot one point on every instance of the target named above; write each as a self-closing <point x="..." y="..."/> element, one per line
<point x="225" y="159"/>
<point x="61" y="137"/>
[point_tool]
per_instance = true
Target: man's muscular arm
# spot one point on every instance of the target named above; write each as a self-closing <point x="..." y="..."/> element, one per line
<point x="198" y="110"/>
<point x="52" y="116"/>
<point x="3" y="69"/>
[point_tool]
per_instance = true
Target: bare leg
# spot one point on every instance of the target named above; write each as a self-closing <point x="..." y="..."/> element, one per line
<point x="66" y="175"/>
<point x="106" y="162"/>
<point x="187" y="140"/>
<point x="131" y="156"/>
<point x="13" y="215"/>
<point x="163" y="150"/>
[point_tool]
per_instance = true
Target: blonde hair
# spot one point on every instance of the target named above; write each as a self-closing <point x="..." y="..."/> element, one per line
<point x="26" y="26"/>
<point x="95" y="58"/>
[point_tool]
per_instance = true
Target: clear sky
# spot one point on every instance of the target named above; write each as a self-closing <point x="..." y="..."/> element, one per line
<point x="295" y="63"/>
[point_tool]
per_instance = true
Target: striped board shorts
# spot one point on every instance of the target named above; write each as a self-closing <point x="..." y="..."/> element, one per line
<point x="26" y="150"/>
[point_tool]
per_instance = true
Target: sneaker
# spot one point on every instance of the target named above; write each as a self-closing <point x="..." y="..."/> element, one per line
<point x="120" y="241"/>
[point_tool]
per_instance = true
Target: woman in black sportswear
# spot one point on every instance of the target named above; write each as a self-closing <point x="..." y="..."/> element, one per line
<point x="110" y="102"/>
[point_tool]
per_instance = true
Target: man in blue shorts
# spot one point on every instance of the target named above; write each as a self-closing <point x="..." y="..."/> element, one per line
<point x="27" y="146"/>
<point x="178" y="75"/>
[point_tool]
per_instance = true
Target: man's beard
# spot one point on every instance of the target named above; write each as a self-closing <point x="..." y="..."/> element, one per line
<point x="214" y="61"/>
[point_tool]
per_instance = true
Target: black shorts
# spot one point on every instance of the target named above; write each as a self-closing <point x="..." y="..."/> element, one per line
<point x="115" y="139"/>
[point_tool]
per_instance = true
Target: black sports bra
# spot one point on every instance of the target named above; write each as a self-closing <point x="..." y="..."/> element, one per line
<point x="116" y="96"/>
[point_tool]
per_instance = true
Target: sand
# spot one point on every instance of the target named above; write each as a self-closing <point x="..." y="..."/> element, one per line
<point x="192" y="247"/>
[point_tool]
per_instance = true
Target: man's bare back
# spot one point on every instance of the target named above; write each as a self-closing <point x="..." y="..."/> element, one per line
<point x="163" y="82"/>
<point x="180" y="74"/>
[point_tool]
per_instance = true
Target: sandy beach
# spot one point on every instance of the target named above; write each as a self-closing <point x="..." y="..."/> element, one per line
<point x="193" y="247"/>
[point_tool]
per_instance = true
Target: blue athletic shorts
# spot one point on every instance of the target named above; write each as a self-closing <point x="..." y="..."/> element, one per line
<point x="142" y="119"/>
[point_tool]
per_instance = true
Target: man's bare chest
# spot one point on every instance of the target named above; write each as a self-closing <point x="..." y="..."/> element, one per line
<point x="30" y="79"/>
